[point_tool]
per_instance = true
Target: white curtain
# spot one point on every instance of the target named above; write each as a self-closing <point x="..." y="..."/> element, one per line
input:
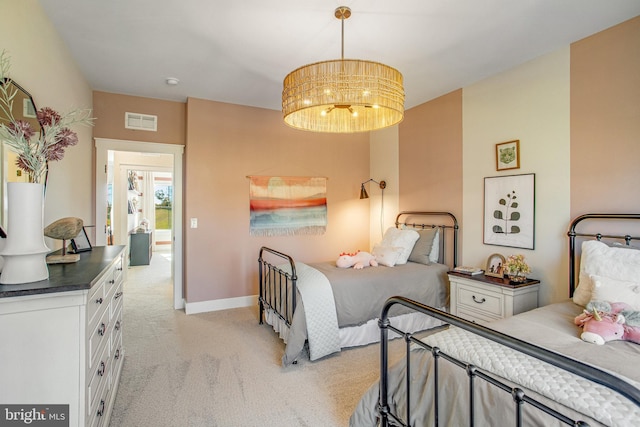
<point x="148" y="201"/>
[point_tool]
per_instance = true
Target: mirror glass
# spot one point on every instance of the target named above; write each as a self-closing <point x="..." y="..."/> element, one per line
<point x="23" y="108"/>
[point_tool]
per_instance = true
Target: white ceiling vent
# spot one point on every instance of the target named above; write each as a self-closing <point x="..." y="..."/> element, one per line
<point x="139" y="121"/>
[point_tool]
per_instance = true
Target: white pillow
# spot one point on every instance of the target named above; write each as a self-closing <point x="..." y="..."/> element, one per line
<point x="434" y="255"/>
<point x="612" y="290"/>
<point x="404" y="239"/>
<point x="599" y="259"/>
<point x="387" y="255"/>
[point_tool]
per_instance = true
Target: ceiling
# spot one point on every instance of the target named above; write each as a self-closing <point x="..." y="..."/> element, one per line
<point x="240" y="51"/>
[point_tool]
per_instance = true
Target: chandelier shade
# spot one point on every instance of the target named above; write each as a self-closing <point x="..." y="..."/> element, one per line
<point x="343" y="95"/>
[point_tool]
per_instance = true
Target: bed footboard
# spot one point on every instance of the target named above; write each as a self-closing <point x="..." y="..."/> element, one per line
<point x="519" y="396"/>
<point x="277" y="277"/>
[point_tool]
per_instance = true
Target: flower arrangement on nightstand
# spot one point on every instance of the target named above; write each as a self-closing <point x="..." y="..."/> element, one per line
<point x="516" y="268"/>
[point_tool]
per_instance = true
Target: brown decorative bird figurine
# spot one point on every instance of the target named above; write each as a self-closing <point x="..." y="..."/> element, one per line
<point x="64" y="229"/>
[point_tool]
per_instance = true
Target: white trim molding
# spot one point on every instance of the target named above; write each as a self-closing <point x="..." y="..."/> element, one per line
<point x="103" y="146"/>
<point x="220" y="304"/>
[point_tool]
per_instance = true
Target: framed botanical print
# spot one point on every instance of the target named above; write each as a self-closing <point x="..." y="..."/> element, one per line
<point x="508" y="155"/>
<point x="509" y="211"/>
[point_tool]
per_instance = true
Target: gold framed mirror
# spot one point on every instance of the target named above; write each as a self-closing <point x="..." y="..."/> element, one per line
<point x="22" y="108"/>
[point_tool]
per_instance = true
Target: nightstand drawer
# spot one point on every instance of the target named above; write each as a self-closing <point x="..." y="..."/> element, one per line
<point x="475" y="317"/>
<point x="483" y="299"/>
<point x="490" y="303"/>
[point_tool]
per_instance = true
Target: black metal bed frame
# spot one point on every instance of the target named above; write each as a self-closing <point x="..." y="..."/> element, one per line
<point x="277" y="286"/>
<point x="519" y="395"/>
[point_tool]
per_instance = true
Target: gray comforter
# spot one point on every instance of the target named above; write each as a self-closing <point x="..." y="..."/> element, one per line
<point x="551" y="327"/>
<point x="360" y="295"/>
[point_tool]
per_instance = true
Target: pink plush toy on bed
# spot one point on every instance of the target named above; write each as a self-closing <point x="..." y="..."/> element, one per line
<point x="602" y="322"/>
<point x="358" y="260"/>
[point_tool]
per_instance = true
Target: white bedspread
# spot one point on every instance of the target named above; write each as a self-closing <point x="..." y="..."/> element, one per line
<point x="574" y="392"/>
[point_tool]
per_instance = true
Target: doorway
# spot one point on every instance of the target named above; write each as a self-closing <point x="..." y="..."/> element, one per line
<point x="103" y="147"/>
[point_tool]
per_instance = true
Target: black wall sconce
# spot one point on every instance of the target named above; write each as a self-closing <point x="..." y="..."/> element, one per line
<point x="363" y="191"/>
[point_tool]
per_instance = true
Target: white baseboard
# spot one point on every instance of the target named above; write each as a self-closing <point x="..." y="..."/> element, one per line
<point x="219" y="304"/>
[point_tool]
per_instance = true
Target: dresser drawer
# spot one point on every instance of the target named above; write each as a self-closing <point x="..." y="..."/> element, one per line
<point x="116" y="301"/>
<point x="118" y="270"/>
<point x="117" y="353"/>
<point x="481" y="300"/>
<point x="116" y="329"/>
<point x="96" y="302"/>
<point x="98" y="339"/>
<point x="97" y="412"/>
<point x="98" y="377"/>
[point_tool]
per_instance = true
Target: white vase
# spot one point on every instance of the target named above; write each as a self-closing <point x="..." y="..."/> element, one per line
<point x="24" y="251"/>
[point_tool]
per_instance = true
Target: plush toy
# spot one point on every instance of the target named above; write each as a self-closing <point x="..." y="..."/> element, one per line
<point x="631" y="325"/>
<point x="602" y="322"/>
<point x="356" y="260"/>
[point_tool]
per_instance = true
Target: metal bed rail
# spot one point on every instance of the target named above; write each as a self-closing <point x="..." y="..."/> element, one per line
<point x="519" y="396"/>
<point x="277" y="286"/>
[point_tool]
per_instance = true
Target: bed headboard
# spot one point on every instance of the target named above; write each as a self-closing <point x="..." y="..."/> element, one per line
<point x="447" y="222"/>
<point x="630" y="223"/>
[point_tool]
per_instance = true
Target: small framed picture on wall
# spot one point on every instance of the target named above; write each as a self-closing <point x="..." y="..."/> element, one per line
<point x="508" y="155"/>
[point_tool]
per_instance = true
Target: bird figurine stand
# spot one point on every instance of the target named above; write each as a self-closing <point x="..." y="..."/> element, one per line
<point x="63" y="229"/>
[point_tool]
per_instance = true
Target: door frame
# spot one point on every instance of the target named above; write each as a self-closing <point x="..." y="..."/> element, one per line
<point x="103" y="146"/>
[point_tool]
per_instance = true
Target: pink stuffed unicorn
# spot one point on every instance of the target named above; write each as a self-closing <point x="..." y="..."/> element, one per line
<point x="358" y="260"/>
<point x="602" y="322"/>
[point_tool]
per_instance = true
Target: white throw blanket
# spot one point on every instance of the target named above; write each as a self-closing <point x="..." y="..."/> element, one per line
<point x="320" y="311"/>
<point x="594" y="400"/>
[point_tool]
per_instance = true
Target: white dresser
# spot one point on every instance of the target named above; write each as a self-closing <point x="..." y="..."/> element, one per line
<point x="483" y="299"/>
<point x="61" y="338"/>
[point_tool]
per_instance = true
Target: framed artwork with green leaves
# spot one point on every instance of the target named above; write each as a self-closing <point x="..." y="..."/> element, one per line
<point x="509" y="211"/>
<point x="508" y="155"/>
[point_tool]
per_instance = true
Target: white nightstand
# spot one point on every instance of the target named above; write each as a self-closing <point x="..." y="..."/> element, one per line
<point x="483" y="299"/>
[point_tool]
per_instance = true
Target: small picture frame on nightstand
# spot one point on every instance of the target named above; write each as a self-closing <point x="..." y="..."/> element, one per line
<point x="81" y="243"/>
<point x="495" y="266"/>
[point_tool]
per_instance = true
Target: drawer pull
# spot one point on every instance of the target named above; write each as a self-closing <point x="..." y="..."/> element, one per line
<point x="117" y="295"/>
<point x="99" y="300"/>
<point x="102" y="369"/>
<point x="117" y="356"/>
<point x="476" y="300"/>
<point x="102" y="329"/>
<point x="117" y="325"/>
<point x="112" y="281"/>
<point x="100" y="408"/>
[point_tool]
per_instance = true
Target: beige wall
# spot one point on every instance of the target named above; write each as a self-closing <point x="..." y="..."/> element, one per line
<point x="384" y="165"/>
<point x="431" y="156"/>
<point x="110" y="109"/>
<point x="41" y="63"/>
<point x="529" y="103"/>
<point x="225" y="144"/>
<point x="605" y="121"/>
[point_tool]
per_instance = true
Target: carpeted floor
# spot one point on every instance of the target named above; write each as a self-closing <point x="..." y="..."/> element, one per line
<point x="223" y="369"/>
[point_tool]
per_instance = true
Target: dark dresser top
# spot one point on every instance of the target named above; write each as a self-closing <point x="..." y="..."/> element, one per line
<point x="68" y="277"/>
